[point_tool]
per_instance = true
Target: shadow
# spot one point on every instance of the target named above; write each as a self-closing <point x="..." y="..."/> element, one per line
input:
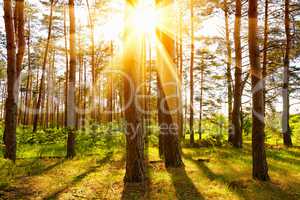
<point x="184" y="186"/>
<point x="50" y="167"/>
<point x="281" y="158"/>
<point x="292" y="151"/>
<point x="236" y="186"/>
<point x="134" y="191"/>
<point x="35" y="167"/>
<point x="81" y="176"/>
<point x="240" y="186"/>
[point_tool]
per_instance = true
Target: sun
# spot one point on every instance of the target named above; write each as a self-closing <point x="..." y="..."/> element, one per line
<point x="144" y="18"/>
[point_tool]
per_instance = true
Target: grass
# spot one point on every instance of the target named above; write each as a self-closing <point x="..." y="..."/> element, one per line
<point x="41" y="172"/>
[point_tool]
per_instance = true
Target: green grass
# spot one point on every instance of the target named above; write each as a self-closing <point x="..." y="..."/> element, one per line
<point x="41" y="172"/>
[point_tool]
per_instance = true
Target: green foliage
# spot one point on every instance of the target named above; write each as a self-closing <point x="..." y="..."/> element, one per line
<point x="295" y="123"/>
<point x="247" y="123"/>
<point x="45" y="136"/>
<point x="295" y="127"/>
<point x="97" y="137"/>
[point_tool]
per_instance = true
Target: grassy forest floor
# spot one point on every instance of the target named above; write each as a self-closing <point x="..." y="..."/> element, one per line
<point x="41" y="172"/>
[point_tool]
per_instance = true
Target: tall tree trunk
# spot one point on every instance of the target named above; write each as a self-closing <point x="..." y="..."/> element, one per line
<point x="14" y="62"/>
<point x="265" y="50"/>
<point x="79" y="92"/>
<point x="49" y="90"/>
<point x="67" y="66"/>
<point x="237" y="134"/>
<point x="58" y="104"/>
<point x="42" y="81"/>
<point x="228" y="72"/>
<point x="260" y="167"/>
<point x="93" y="63"/>
<point x="84" y="94"/>
<point x="52" y="90"/>
<point x="192" y="140"/>
<point x="29" y="79"/>
<point x="286" y="130"/>
<point x="2" y="101"/>
<point x="71" y="117"/>
<point x="149" y="99"/>
<point x="168" y="82"/>
<point x="110" y="90"/>
<point x="135" y="165"/>
<point x="201" y="99"/>
<point x="181" y="120"/>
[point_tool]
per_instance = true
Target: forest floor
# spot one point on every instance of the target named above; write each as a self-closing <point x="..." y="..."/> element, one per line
<point x="209" y="173"/>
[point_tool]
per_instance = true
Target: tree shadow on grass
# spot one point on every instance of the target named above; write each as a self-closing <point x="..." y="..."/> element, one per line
<point x="135" y="191"/>
<point x="262" y="190"/>
<point x="35" y="171"/>
<point x="184" y="186"/>
<point x="80" y="177"/>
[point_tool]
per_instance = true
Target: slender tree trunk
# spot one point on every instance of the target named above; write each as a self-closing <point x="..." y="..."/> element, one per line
<point x="286" y="130"/>
<point x="159" y="115"/>
<point x="20" y="106"/>
<point x="260" y="167"/>
<point x="192" y="140"/>
<point x="110" y="90"/>
<point x="181" y="120"/>
<point x="201" y="99"/>
<point x="265" y="50"/>
<point x="93" y="63"/>
<point x="71" y="117"/>
<point x="79" y="93"/>
<point x="149" y="109"/>
<point x="42" y="81"/>
<point x="14" y="62"/>
<point x="84" y="94"/>
<point x="58" y="105"/>
<point x="237" y="139"/>
<point x="67" y="67"/>
<point x="52" y="90"/>
<point x="29" y="79"/>
<point x="1" y="105"/>
<point x="49" y="90"/>
<point x="168" y="82"/>
<point x="228" y="72"/>
<point x="185" y="107"/>
<point x="135" y="165"/>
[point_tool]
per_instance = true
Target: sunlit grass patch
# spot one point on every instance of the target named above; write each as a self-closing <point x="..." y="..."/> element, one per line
<point x="209" y="173"/>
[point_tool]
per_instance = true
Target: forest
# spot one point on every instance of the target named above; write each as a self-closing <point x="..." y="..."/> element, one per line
<point x="150" y="99"/>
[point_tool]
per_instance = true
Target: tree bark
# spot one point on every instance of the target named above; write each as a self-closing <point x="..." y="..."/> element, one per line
<point x="110" y="90"/>
<point x="237" y="134"/>
<point x="260" y="167"/>
<point x="181" y="134"/>
<point x="93" y="63"/>
<point x="67" y="67"/>
<point x="192" y="139"/>
<point x="135" y="165"/>
<point x="201" y="99"/>
<point x="71" y="117"/>
<point x="29" y="79"/>
<point x="265" y="50"/>
<point x="168" y="82"/>
<point x="286" y="130"/>
<point x="14" y="62"/>
<point x="228" y="72"/>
